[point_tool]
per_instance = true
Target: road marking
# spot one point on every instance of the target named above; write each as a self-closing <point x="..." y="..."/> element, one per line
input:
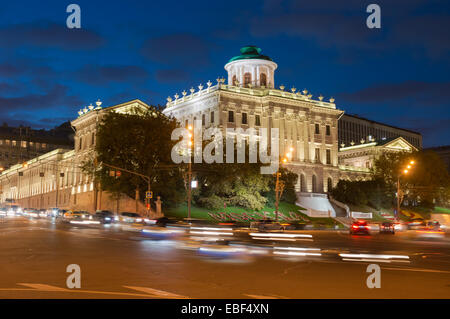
<point x="148" y="292"/>
<point x="43" y="287"/>
<point x="157" y="293"/>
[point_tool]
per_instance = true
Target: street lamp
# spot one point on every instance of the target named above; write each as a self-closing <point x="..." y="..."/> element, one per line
<point x="405" y="171"/>
<point x="279" y="185"/>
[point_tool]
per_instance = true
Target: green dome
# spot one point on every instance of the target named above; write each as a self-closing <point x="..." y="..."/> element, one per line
<point x="250" y="52"/>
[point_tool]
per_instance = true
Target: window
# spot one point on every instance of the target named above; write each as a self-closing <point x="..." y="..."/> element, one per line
<point x="303" y="183"/>
<point x="263" y="80"/>
<point x="93" y="138"/>
<point x="317" y="129"/>
<point x="44" y="145"/>
<point x="314" y="184"/>
<point x="328" y="130"/>
<point x="328" y="156"/>
<point x="203" y="119"/>
<point x="257" y="120"/>
<point x="80" y="146"/>
<point x="244" y="118"/>
<point x="212" y="117"/>
<point x="187" y="123"/>
<point x="14" y="143"/>
<point x="329" y="184"/>
<point x="317" y="155"/>
<point x="231" y="116"/>
<point x="234" y="80"/>
<point x="1" y="142"/>
<point x="23" y="144"/>
<point x="247" y="79"/>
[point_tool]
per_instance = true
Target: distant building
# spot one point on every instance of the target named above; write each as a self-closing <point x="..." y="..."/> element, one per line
<point x="443" y="152"/>
<point x="19" y="144"/>
<point x="355" y="130"/>
<point x="364" y="155"/>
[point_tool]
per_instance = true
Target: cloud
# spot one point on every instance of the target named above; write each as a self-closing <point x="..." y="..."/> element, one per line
<point x="56" y="97"/>
<point x="181" y="49"/>
<point x="49" y="35"/>
<point x="415" y="93"/>
<point x="101" y="75"/>
<point x="171" y="76"/>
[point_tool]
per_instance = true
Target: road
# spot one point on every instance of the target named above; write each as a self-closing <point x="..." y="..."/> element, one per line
<point x="115" y="263"/>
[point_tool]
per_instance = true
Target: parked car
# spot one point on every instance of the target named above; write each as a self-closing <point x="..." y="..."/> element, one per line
<point x="359" y="227"/>
<point x="104" y="216"/>
<point x="387" y="228"/>
<point x="267" y="224"/>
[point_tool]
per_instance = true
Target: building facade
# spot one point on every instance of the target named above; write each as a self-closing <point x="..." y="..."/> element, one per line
<point x="250" y="100"/>
<point x="19" y="144"/>
<point x="357" y="130"/>
<point x="363" y="155"/>
<point x="56" y="179"/>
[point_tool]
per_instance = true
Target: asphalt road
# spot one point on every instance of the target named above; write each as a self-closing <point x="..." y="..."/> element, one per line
<point x="115" y="263"/>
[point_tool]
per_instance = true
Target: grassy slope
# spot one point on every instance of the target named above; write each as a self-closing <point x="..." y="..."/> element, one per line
<point x="285" y="208"/>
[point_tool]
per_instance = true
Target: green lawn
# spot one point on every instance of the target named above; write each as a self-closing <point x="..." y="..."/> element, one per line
<point x="441" y="210"/>
<point x="287" y="212"/>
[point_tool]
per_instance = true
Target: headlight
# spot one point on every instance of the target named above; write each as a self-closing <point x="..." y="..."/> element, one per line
<point x="116" y="218"/>
<point x="107" y="218"/>
<point x="90" y="217"/>
<point x="138" y="220"/>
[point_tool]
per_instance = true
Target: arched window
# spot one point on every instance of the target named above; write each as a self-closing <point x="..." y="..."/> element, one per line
<point x="329" y="184"/>
<point x="263" y="79"/>
<point x="247" y="79"/>
<point x="234" y="80"/>
<point x="314" y="184"/>
<point x="302" y="183"/>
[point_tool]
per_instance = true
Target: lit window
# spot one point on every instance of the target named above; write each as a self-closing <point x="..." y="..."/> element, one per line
<point x="24" y="144"/>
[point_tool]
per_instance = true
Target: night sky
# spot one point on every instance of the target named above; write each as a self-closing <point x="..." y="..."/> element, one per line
<point x="399" y="74"/>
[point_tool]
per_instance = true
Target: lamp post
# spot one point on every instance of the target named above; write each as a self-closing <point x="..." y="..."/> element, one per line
<point x="279" y="186"/>
<point x="404" y="171"/>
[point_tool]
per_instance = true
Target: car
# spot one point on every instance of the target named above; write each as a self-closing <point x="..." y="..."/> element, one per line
<point x="359" y="227"/>
<point x="31" y="213"/>
<point x="43" y="213"/>
<point x="130" y="218"/>
<point x="431" y="229"/>
<point x="3" y="212"/>
<point x="14" y="210"/>
<point x="267" y="224"/>
<point x="416" y="223"/>
<point x="387" y="228"/>
<point x="104" y="216"/>
<point x="71" y="215"/>
<point x="160" y="222"/>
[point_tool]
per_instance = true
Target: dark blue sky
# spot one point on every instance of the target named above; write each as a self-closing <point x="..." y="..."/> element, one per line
<point x="151" y="49"/>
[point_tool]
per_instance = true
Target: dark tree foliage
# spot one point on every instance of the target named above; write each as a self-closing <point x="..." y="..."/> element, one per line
<point x="427" y="181"/>
<point x="239" y="184"/>
<point x="374" y="193"/>
<point x="139" y="142"/>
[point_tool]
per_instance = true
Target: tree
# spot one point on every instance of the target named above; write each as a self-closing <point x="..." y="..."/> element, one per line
<point x="140" y="142"/>
<point x="427" y="181"/>
<point x="239" y="184"/>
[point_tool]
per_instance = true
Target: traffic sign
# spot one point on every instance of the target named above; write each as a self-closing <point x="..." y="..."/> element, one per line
<point x="148" y="194"/>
